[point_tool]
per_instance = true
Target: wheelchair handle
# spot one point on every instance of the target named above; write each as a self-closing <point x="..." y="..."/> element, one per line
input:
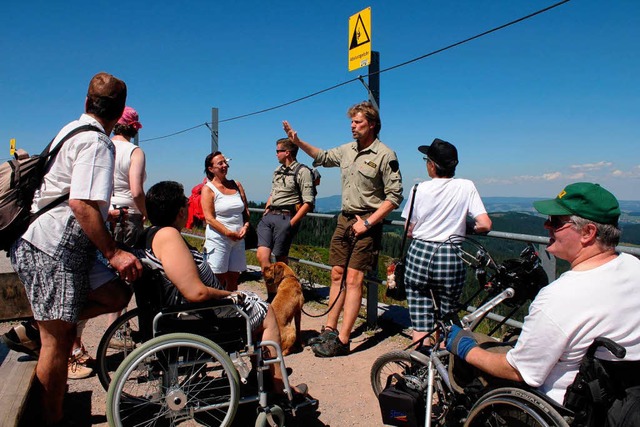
<point x="616" y="349"/>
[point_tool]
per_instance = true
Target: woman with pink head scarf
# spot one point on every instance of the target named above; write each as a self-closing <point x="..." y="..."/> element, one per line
<point x="129" y="177"/>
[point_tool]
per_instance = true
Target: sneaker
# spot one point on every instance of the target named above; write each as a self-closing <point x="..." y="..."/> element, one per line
<point x="24" y="338"/>
<point x="327" y="332"/>
<point x="79" y="366"/>
<point x="331" y="347"/>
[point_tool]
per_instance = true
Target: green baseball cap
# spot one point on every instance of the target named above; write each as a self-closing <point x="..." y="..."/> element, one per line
<point x="585" y="200"/>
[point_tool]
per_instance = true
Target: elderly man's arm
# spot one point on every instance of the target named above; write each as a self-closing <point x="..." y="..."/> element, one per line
<point x="495" y="364"/>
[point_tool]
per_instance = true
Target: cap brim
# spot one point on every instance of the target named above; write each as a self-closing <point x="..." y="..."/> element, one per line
<point x="423" y="149"/>
<point x="551" y="207"/>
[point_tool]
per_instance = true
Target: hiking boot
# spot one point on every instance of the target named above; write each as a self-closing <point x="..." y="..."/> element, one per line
<point x="80" y="365"/>
<point x="326" y="333"/>
<point x="24" y="338"/>
<point x="331" y="347"/>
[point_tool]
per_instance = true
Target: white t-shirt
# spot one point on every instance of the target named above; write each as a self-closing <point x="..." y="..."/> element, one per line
<point x="568" y="314"/>
<point x="83" y="168"/>
<point x="121" y="186"/>
<point x="441" y="207"/>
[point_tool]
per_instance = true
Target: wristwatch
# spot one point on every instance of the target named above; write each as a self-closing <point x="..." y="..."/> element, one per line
<point x="366" y="224"/>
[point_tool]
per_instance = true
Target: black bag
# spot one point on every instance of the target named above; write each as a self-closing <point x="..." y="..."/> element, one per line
<point x="625" y="412"/>
<point x="19" y="180"/>
<point x="605" y="393"/>
<point x="395" y="272"/>
<point x="251" y="238"/>
<point x="401" y="405"/>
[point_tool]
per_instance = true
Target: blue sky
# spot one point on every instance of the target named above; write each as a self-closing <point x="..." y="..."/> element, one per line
<point x="549" y="101"/>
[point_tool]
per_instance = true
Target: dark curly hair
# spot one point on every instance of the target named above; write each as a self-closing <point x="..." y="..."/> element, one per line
<point x="164" y="201"/>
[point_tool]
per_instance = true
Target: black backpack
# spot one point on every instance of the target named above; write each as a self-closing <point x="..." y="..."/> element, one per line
<point x="19" y="180"/>
<point x="605" y="393"/>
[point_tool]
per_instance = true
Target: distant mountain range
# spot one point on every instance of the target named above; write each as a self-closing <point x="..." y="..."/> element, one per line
<point x="630" y="208"/>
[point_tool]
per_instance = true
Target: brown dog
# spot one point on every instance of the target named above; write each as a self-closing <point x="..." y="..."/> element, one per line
<point x="287" y="304"/>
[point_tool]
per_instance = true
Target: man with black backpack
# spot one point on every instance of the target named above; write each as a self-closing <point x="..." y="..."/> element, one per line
<point x="292" y="197"/>
<point x="56" y="257"/>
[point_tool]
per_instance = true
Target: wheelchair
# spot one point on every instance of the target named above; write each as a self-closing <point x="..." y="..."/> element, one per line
<point x="429" y="386"/>
<point x="194" y="365"/>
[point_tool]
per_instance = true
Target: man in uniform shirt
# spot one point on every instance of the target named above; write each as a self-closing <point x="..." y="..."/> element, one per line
<point x="292" y="196"/>
<point x="371" y="189"/>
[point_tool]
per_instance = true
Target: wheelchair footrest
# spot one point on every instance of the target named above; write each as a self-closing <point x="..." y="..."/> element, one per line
<point x="305" y="405"/>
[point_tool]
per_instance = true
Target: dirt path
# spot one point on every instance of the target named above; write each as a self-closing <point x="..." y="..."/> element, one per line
<point x="341" y="384"/>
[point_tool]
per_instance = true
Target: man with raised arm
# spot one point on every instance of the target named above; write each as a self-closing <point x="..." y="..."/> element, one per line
<point x="599" y="296"/>
<point x="371" y="189"/>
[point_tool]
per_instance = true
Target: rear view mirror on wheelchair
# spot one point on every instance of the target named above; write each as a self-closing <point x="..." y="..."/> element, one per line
<point x="426" y="384"/>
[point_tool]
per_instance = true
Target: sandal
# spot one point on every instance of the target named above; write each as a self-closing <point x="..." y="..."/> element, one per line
<point x="24" y="338"/>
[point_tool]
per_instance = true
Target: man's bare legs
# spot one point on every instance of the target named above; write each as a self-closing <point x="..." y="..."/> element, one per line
<point x="56" y="337"/>
<point x="263" y="253"/>
<point x="350" y="300"/>
<point x="110" y="297"/>
<point x="229" y="280"/>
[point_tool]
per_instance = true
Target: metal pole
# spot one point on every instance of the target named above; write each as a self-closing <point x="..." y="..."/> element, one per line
<point x="374" y="79"/>
<point x="214" y="129"/>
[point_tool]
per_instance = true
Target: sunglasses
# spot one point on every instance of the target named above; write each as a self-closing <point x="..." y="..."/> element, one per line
<point x="281" y="151"/>
<point x="555" y="223"/>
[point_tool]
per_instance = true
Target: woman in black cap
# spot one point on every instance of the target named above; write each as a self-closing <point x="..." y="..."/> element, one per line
<point x="441" y="207"/>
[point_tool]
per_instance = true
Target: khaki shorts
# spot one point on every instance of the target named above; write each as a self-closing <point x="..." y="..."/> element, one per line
<point x="366" y="249"/>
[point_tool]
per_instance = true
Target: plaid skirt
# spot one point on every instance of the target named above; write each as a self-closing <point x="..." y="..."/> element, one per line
<point x="432" y="267"/>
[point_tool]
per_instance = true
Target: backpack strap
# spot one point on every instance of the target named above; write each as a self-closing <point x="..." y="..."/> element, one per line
<point x="50" y="156"/>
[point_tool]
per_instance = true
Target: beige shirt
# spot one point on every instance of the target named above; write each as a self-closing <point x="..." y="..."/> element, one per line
<point x="369" y="177"/>
<point x="285" y="191"/>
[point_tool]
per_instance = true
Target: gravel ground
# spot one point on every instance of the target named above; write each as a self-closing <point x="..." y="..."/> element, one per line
<point x="341" y="384"/>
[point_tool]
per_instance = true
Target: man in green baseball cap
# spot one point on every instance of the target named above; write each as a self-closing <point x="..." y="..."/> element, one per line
<point x="599" y="296"/>
<point x="583" y="199"/>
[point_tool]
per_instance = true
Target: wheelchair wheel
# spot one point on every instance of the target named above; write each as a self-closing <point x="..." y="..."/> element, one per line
<point x="278" y="417"/>
<point x="174" y="379"/>
<point x="513" y="407"/>
<point x="118" y="341"/>
<point x="394" y="362"/>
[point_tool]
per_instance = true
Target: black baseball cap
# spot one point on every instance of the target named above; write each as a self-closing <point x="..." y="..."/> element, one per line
<point x="443" y="153"/>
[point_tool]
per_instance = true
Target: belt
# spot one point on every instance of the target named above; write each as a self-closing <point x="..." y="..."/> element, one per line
<point x="350" y="215"/>
<point x="279" y="212"/>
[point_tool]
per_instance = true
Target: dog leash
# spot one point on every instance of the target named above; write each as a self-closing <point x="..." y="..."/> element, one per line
<point x="350" y="237"/>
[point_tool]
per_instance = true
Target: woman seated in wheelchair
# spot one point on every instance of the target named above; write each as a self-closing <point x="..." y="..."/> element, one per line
<point x="184" y="267"/>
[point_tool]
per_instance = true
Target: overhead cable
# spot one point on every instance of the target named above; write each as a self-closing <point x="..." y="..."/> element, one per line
<point x="359" y="78"/>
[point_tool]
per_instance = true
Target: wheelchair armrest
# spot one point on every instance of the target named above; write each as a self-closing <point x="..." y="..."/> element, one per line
<point x="195" y="306"/>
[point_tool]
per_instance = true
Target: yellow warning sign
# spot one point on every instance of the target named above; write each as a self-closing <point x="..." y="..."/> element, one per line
<point x="12" y="146"/>
<point x="360" y="39"/>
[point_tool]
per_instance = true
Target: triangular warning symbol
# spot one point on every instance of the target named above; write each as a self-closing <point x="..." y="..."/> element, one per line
<point x="360" y="35"/>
